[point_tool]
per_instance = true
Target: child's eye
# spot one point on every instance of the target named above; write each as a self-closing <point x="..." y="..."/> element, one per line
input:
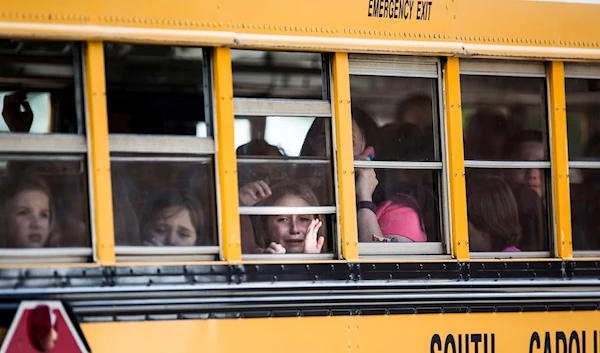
<point x="22" y="212"/>
<point x="184" y="235"/>
<point x="282" y="219"/>
<point x="304" y="219"/>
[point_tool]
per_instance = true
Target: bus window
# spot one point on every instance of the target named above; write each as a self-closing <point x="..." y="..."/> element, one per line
<point x="155" y="90"/>
<point x="44" y="202"/>
<point x="398" y="160"/>
<point x="506" y="149"/>
<point x="43" y="168"/>
<point x="37" y="87"/>
<point x="163" y="182"/>
<point x="583" y="126"/>
<point x="275" y="74"/>
<point x="163" y="201"/>
<point x="284" y="154"/>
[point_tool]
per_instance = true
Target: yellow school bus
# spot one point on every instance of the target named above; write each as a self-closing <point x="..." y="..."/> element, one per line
<point x="163" y="166"/>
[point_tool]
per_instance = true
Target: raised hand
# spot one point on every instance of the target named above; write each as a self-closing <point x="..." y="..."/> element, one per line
<point x="366" y="181"/>
<point x="17" y="120"/>
<point x="313" y="243"/>
<point x="152" y="242"/>
<point x="275" y="248"/>
<point x="254" y="192"/>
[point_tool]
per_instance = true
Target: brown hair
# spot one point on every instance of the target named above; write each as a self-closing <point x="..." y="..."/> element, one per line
<point x="164" y="199"/>
<point x="492" y="208"/>
<point x="278" y="191"/>
<point x="521" y="137"/>
<point x="366" y="123"/>
<point x="14" y="186"/>
<point x="253" y="172"/>
<point x="423" y="105"/>
<point x="482" y="125"/>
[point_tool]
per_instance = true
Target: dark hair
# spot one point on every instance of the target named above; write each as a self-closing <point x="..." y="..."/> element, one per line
<point x="413" y="101"/>
<point x="164" y="199"/>
<point x="483" y="124"/>
<point x="524" y="136"/>
<point x="253" y="172"/>
<point x="259" y="147"/>
<point x="368" y="127"/>
<point x="406" y="142"/>
<point x="278" y="191"/>
<point x="492" y="208"/>
<point x="14" y="186"/>
<point x="316" y="134"/>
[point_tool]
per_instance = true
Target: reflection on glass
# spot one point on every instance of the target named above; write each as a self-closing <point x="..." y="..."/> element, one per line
<point x="152" y="89"/>
<point x="272" y="156"/>
<point x="396" y="119"/>
<point x="287" y="135"/>
<point x="275" y="74"/>
<point x="163" y="203"/>
<point x="403" y="110"/>
<point x="583" y="127"/>
<point x="583" y="119"/>
<point x="43" y="204"/>
<point x="256" y="179"/>
<point x="38" y="87"/>
<point x="504" y="215"/>
<point x="504" y="118"/>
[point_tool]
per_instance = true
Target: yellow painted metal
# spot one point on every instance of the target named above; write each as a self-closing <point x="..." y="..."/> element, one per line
<point x="97" y="130"/>
<point x="512" y="332"/>
<point x="344" y="157"/>
<point x="456" y="160"/>
<point x="226" y="158"/>
<point x="560" y="159"/>
<point x="446" y="27"/>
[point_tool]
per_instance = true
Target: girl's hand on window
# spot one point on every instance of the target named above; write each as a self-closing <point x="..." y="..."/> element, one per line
<point x="313" y="243"/>
<point x="275" y="248"/>
<point x="254" y="192"/>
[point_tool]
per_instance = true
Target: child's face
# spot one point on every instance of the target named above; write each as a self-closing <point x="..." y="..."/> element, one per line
<point x="532" y="178"/>
<point x="174" y="227"/>
<point x="290" y="230"/>
<point x="28" y="219"/>
<point x="358" y="140"/>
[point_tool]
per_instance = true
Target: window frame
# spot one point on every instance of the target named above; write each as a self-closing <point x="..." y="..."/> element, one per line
<point x="57" y="146"/>
<point x="189" y="149"/>
<point x="299" y="107"/>
<point x="585" y="71"/>
<point x="412" y="67"/>
<point x="523" y="69"/>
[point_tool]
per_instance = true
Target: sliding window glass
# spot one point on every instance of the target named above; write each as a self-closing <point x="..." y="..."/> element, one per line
<point x="284" y="153"/>
<point x="583" y="127"/>
<point x="398" y="154"/>
<point x="43" y="170"/>
<point x="162" y="151"/>
<point x="507" y="158"/>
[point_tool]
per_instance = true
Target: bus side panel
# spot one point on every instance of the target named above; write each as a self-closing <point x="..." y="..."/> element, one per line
<point x="481" y="332"/>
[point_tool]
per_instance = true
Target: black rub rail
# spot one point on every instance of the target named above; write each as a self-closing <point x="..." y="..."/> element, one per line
<point x="313" y="289"/>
